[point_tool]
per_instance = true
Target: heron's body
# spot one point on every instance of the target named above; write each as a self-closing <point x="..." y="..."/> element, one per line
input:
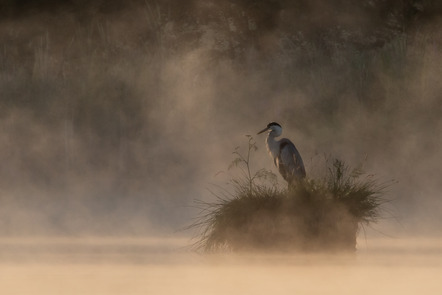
<point x="285" y="155"/>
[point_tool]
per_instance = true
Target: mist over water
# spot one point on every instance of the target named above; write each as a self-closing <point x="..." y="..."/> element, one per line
<point x="115" y="116"/>
<point x="161" y="266"/>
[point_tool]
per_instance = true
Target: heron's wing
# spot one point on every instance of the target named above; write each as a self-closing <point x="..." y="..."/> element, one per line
<point x="290" y="158"/>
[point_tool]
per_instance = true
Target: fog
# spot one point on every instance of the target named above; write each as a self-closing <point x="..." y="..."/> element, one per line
<point x="140" y="266"/>
<point x="114" y="118"/>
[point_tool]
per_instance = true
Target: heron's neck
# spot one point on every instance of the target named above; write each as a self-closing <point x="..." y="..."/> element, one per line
<point x="272" y="145"/>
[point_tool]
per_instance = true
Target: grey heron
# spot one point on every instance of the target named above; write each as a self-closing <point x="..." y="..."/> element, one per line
<point x="285" y="155"/>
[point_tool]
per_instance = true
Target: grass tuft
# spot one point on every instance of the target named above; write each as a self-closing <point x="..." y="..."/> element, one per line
<point x="317" y="215"/>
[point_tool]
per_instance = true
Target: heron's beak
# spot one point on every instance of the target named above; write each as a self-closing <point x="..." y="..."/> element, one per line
<point x="263" y="130"/>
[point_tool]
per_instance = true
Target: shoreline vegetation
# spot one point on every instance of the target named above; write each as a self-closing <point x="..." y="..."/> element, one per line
<point x="105" y="105"/>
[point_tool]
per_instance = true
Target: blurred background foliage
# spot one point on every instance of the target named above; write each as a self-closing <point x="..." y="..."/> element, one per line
<point x="105" y="99"/>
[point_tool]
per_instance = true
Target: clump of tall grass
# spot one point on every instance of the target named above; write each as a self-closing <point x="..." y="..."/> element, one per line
<point x="317" y="215"/>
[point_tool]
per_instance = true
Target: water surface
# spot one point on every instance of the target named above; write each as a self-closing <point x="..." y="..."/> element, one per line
<point x="166" y="266"/>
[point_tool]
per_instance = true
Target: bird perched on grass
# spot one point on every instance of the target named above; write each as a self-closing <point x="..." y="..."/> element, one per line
<point x="285" y="155"/>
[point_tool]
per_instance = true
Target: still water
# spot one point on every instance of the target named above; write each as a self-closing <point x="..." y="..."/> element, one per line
<point x="166" y="266"/>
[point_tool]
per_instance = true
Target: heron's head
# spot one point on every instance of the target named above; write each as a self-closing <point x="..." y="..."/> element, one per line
<point x="274" y="129"/>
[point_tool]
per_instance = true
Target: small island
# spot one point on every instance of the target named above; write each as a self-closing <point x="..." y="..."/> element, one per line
<point x="316" y="215"/>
